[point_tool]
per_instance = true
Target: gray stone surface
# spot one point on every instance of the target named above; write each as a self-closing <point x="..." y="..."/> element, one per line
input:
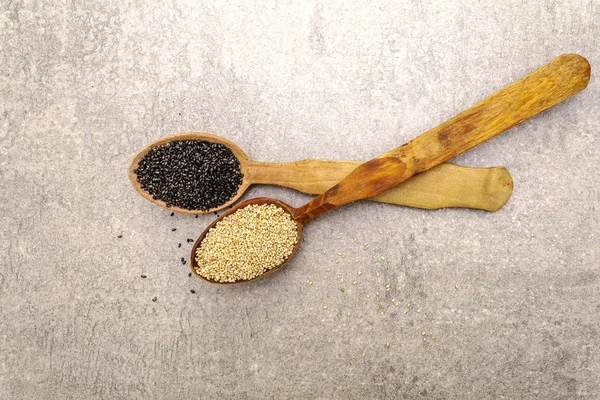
<point x="511" y="297"/>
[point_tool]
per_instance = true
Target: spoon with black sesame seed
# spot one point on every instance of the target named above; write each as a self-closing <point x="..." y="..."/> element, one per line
<point x="199" y="173"/>
<point x="258" y="236"/>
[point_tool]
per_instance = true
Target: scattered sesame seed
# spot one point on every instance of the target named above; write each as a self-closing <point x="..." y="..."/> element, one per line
<point x="396" y="304"/>
<point x="356" y="261"/>
<point x="324" y="251"/>
<point x="377" y="274"/>
<point x="456" y="287"/>
<point x="376" y="293"/>
<point x="120" y="236"/>
<point x="393" y="233"/>
<point x="418" y="310"/>
<point x="359" y="273"/>
<point x="173" y="229"/>
<point x="382" y="258"/>
<point x="172" y="214"/>
<point x="424" y="339"/>
<point x="348" y="314"/>
<point x="190" y="240"/>
<point x="192" y="291"/>
<point x="354" y="283"/>
<point x="196" y="215"/>
<point x="387" y="289"/>
<point x="380" y="232"/>
<point x="342" y="280"/>
<point x="382" y="313"/>
<point x="190" y="275"/>
<point x="387" y="345"/>
<point x="328" y="270"/>
<point x="408" y="305"/>
<point x="143" y="276"/>
<point x="343" y="290"/>
<point x="178" y="245"/>
<point x="340" y="254"/>
<point x="423" y="277"/>
<point x="154" y="298"/>
<point x="423" y="333"/>
<point x="324" y="307"/>
<point x="337" y="261"/>
<point x="432" y="337"/>
<point x="364" y="353"/>
<point x="339" y="237"/>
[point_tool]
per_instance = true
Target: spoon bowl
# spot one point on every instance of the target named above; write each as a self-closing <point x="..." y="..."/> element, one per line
<point x="237" y="152"/>
<point x="258" y="201"/>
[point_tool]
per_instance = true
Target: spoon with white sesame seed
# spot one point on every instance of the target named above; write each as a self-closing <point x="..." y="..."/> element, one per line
<point x="227" y="258"/>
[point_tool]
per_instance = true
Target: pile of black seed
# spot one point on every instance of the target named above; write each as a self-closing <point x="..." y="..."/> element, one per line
<point x="190" y="174"/>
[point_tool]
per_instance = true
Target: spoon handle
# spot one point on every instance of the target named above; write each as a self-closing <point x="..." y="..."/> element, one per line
<point x="545" y="87"/>
<point x="446" y="185"/>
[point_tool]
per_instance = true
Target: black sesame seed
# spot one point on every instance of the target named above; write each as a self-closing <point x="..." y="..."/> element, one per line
<point x="190" y="275"/>
<point x="179" y="245"/>
<point x="143" y="276"/>
<point x="183" y="260"/>
<point x="172" y="214"/>
<point x="120" y="236"/>
<point x="190" y="174"/>
<point x="154" y="298"/>
<point x="192" y="291"/>
<point x="173" y="229"/>
<point x="190" y="240"/>
<point x="196" y="215"/>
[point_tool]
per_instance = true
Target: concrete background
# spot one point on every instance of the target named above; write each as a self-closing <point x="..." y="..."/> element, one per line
<point x="511" y="297"/>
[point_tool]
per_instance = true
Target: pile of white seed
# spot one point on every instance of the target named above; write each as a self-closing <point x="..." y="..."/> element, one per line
<point x="246" y="244"/>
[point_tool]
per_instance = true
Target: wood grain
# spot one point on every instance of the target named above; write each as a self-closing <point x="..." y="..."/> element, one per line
<point x="447" y="185"/>
<point x="545" y="87"/>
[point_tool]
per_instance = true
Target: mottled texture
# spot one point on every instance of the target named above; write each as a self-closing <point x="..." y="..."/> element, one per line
<point x="511" y="297"/>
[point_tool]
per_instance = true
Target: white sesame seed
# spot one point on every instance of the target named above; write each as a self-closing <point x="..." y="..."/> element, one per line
<point x="245" y="244"/>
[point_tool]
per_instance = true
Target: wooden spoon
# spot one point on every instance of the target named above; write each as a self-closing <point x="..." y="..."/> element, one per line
<point x="545" y="87"/>
<point x="446" y="185"/>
